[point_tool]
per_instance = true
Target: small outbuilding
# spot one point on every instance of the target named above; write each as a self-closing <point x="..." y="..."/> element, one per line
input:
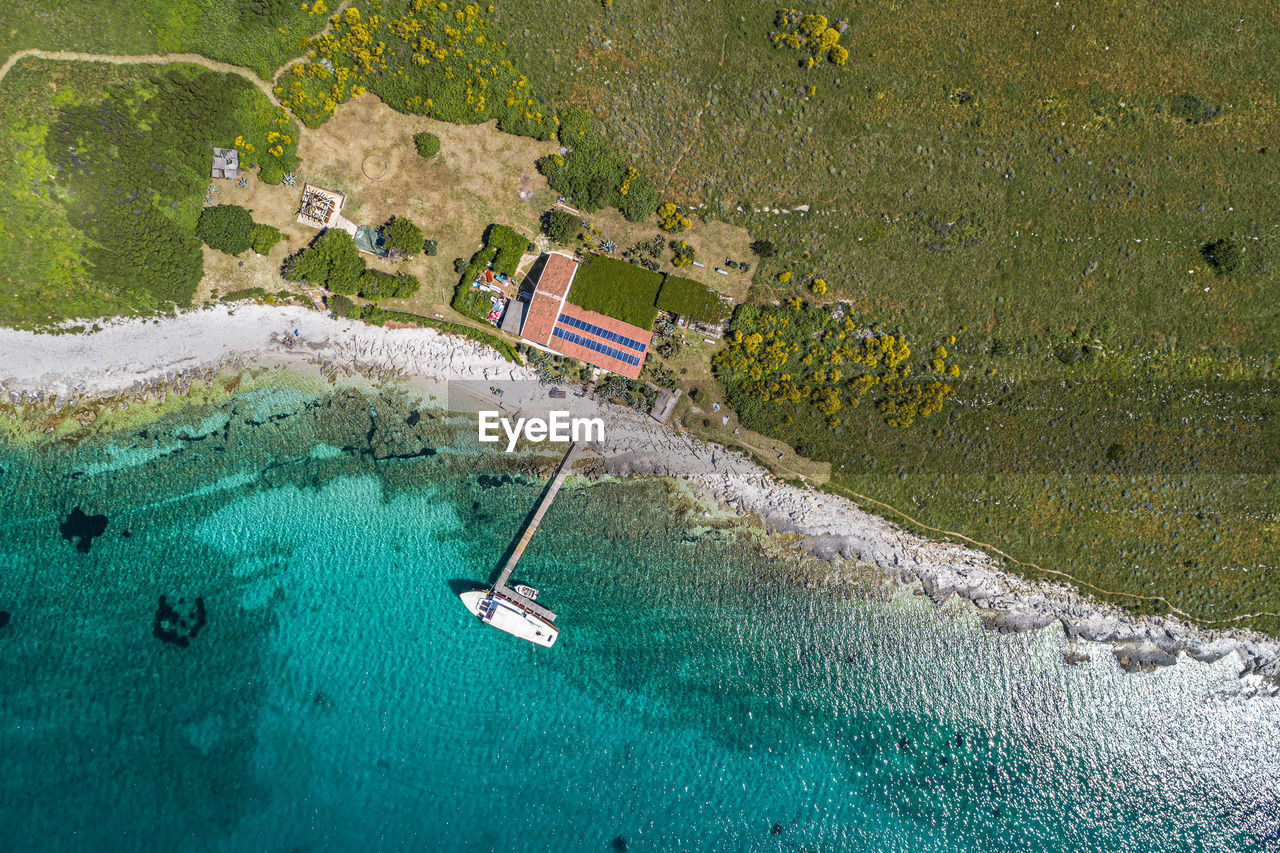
<point x="320" y="208"/>
<point x="226" y="164"/>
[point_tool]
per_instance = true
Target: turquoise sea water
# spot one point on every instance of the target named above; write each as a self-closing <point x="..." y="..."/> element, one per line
<point x="340" y="698"/>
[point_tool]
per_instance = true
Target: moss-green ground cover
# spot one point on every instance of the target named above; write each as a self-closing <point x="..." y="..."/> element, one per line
<point x="105" y="176"/>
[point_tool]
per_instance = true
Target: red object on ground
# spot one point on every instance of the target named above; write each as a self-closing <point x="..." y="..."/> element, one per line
<point x="488" y="275"/>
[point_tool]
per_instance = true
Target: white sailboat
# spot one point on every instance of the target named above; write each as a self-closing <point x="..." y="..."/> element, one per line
<point x="508" y="615"/>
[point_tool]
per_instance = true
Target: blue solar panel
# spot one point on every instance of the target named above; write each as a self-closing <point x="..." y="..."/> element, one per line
<point x="574" y="338"/>
<point x="602" y="333"/>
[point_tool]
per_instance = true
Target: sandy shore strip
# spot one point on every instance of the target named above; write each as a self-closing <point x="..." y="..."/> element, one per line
<point x="130" y="354"/>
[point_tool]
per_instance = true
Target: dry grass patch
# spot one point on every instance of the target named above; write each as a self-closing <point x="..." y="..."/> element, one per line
<point x="475" y="180"/>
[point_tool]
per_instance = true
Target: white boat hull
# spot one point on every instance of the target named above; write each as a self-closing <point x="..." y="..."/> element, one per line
<point x="506" y="615"/>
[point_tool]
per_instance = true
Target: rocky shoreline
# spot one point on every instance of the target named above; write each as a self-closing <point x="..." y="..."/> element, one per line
<point x="833" y="528"/>
<point x="135" y="360"/>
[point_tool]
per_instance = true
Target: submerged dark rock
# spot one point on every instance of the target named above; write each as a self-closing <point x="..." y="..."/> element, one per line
<point x="178" y="624"/>
<point x="620" y="844"/>
<point x="4" y="618"/>
<point x="83" y="527"/>
<point x="776" y="829"/>
<point x="490" y="481"/>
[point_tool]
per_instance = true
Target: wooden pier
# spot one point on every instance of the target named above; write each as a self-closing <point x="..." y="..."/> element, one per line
<point x="500" y="586"/>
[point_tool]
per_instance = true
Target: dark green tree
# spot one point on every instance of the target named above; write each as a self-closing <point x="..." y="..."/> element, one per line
<point x="428" y="144"/>
<point x="561" y="227"/>
<point x="331" y="261"/>
<point x="225" y="227"/>
<point x="1225" y="255"/>
<point x="764" y="248"/>
<point x="402" y="238"/>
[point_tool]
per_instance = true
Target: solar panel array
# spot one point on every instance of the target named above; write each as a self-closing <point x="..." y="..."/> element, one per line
<point x="602" y="333"/>
<point x="603" y="349"/>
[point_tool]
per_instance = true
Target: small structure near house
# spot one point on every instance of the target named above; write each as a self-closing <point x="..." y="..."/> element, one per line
<point x="664" y="405"/>
<point x="226" y="164"/>
<point x="513" y="320"/>
<point x="320" y="208"/>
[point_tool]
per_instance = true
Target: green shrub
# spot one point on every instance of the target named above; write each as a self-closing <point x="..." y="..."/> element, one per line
<point x="402" y="238"/>
<point x="561" y="227"/>
<point x="428" y="144"/>
<point x="375" y="285"/>
<point x="594" y="175"/>
<point x="331" y="261"/>
<point x="256" y="293"/>
<point x="262" y="238"/>
<point x="341" y="305"/>
<point x="429" y="248"/>
<point x="344" y="307"/>
<point x="764" y="248"/>
<point x="1225" y="255"/>
<point x="617" y="289"/>
<point x="225" y="227"/>
<point x="682" y="253"/>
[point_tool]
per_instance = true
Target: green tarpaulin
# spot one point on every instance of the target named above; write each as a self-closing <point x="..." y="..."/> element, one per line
<point x="369" y="240"/>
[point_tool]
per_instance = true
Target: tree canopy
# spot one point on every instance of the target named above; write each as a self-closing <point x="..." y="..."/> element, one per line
<point x="559" y="226"/>
<point x="225" y="227"/>
<point x="331" y="261"/>
<point x="1225" y="255"/>
<point x="402" y="237"/>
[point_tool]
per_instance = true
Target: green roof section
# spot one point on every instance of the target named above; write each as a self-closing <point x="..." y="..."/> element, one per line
<point x="617" y="289"/>
<point x="692" y="300"/>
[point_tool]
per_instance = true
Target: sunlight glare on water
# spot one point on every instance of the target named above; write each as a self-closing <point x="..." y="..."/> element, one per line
<point x="341" y="698"/>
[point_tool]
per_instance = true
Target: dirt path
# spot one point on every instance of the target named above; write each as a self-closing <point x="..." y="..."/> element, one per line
<point x="144" y="59"/>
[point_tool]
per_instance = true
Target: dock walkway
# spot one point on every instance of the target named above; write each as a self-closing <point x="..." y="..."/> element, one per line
<point x="500" y="586"/>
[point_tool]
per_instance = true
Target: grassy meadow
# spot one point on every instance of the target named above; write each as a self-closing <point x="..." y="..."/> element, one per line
<point x="242" y="32"/>
<point x="1036" y="180"/>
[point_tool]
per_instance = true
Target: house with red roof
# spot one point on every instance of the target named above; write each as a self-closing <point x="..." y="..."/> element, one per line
<point x="553" y="323"/>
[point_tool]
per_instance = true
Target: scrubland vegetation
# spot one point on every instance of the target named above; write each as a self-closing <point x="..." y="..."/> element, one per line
<point x="258" y="34"/>
<point x="107" y="175"/>
<point x="1082" y="196"/>
<point x="593" y="175"/>
<point x="433" y="59"/>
